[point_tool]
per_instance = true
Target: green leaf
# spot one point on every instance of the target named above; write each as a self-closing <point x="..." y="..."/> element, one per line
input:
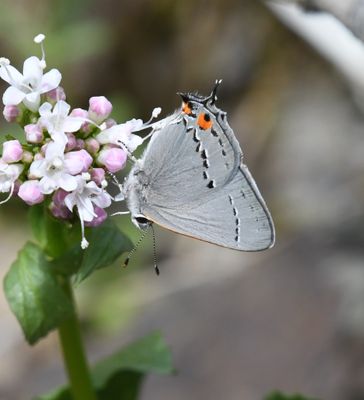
<point x="52" y="235"/>
<point x="120" y="376"/>
<point x="145" y="355"/>
<point x="281" y="396"/>
<point x="34" y="294"/>
<point x="36" y="219"/>
<point x="106" y="244"/>
<point x="123" y="385"/>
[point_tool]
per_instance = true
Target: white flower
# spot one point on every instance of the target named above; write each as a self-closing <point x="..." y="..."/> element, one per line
<point x="83" y="198"/>
<point x="28" y="86"/>
<point x="57" y="121"/>
<point x="9" y="173"/>
<point x="53" y="170"/>
<point x="122" y="135"/>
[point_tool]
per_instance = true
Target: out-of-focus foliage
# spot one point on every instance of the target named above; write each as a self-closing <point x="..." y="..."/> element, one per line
<point x="120" y="375"/>
<point x="281" y="396"/>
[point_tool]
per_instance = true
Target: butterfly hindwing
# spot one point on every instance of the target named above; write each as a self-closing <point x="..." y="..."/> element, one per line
<point x="234" y="216"/>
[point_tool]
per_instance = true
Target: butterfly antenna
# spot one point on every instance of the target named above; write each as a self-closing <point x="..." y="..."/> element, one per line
<point x="128" y="151"/>
<point x="156" y="269"/>
<point x="137" y="244"/>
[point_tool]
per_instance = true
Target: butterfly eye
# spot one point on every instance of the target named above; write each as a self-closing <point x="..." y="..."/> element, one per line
<point x="142" y="220"/>
<point x="204" y="121"/>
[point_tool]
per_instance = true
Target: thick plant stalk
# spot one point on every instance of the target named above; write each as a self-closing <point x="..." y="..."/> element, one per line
<point x="74" y="355"/>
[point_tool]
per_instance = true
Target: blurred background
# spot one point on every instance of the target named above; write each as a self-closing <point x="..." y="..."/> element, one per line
<point x="239" y="324"/>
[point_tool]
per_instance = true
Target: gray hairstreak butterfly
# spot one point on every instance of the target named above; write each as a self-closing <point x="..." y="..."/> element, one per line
<point x="191" y="180"/>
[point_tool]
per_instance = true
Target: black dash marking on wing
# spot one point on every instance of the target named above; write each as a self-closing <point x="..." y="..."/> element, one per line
<point x="205" y="163"/>
<point x="237" y="219"/>
<point x="198" y="147"/>
<point x="195" y="137"/>
<point x="223" y="152"/>
<point x="214" y="133"/>
<point x="211" y="184"/>
<point x="243" y="194"/>
<point x="203" y="154"/>
<point x="205" y="175"/>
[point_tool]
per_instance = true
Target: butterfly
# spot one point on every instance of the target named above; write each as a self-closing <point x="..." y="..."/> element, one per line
<point x="191" y="179"/>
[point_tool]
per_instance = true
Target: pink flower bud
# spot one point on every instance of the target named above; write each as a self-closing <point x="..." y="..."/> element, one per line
<point x="81" y="113"/>
<point x="110" y="122"/>
<point x="98" y="175"/>
<point x="11" y="113"/>
<point x="27" y="157"/>
<point x="92" y="145"/>
<point x="12" y="151"/>
<point x="100" y="108"/>
<point x="17" y="185"/>
<point x="55" y="95"/>
<point x="33" y="133"/>
<point x="101" y="215"/>
<point x="38" y="156"/>
<point x="77" y="161"/>
<point x="30" y="192"/>
<point x="72" y="142"/>
<point x="80" y="144"/>
<point x="113" y="158"/>
<point x="58" y="207"/>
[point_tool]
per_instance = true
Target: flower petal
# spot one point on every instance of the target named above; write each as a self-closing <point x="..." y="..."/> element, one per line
<point x="70" y="201"/>
<point x="67" y="182"/>
<point x="11" y="75"/>
<point x="72" y="124"/>
<point x="45" y="109"/>
<point x="133" y="142"/>
<point x="32" y="71"/>
<point x="32" y="101"/>
<point x="12" y="96"/>
<point x="47" y="185"/>
<point x="61" y="109"/>
<point x="103" y="200"/>
<point x="86" y="210"/>
<point x="60" y="138"/>
<point x="50" y="80"/>
<point x="37" y="169"/>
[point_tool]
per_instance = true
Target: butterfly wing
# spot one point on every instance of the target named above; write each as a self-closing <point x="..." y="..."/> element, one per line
<point x="181" y="158"/>
<point x="178" y="195"/>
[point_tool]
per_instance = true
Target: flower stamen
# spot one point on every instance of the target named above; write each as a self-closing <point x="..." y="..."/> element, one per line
<point x="10" y="194"/>
<point x="39" y="40"/>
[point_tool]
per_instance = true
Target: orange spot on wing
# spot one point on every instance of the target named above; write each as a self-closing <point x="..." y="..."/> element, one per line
<point x="186" y="108"/>
<point x="204" y="121"/>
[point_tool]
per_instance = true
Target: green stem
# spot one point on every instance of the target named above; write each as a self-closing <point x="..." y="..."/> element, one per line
<point x="74" y="355"/>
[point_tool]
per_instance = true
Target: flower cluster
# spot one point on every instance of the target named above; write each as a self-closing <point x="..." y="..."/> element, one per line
<point x="67" y="154"/>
